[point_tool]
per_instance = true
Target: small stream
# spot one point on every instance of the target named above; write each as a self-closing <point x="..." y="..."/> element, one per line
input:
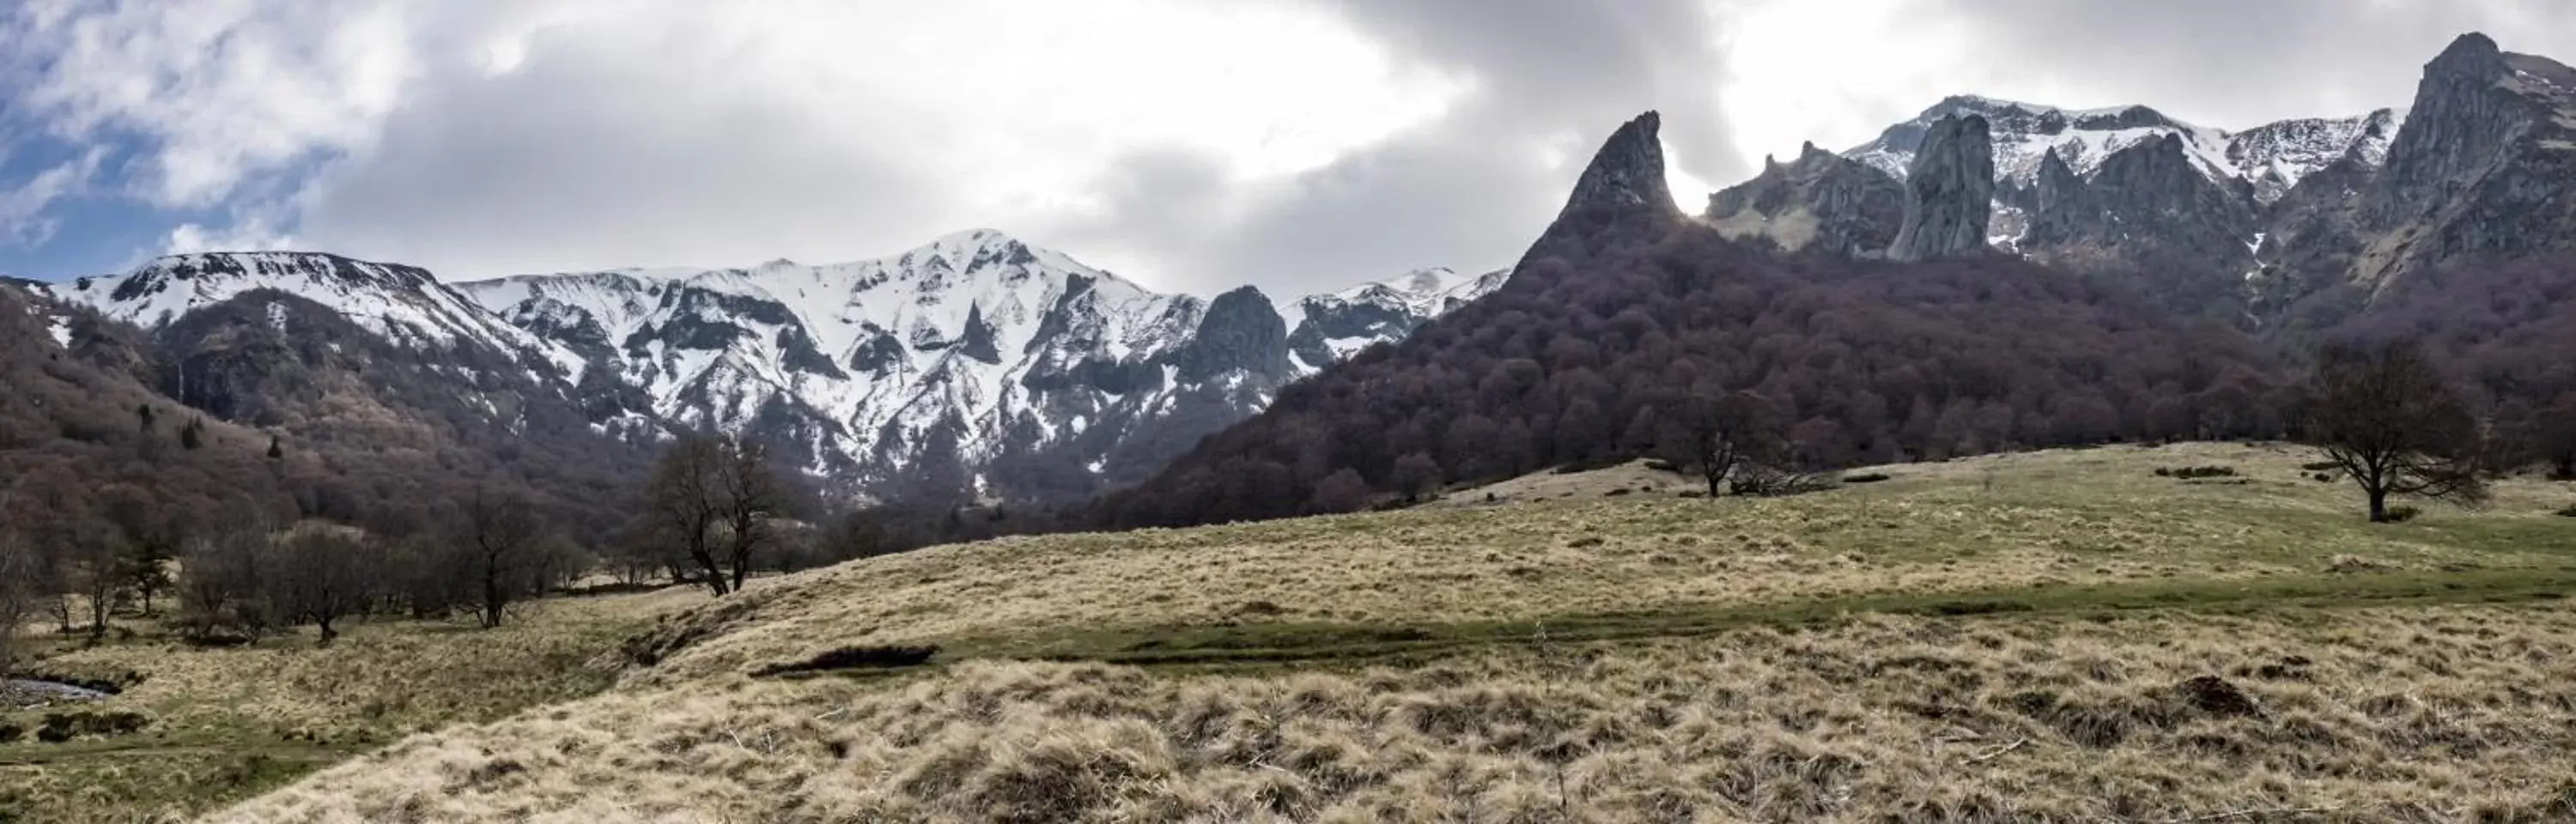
<point x="19" y="692"/>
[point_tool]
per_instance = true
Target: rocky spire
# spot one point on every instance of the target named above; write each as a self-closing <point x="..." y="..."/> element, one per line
<point x="2472" y="55"/>
<point x="2062" y="209"/>
<point x="1625" y="182"/>
<point x="1628" y="171"/>
<point x="1951" y="190"/>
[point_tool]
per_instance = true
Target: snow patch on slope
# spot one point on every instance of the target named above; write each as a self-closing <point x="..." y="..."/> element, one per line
<point x="2271" y="158"/>
<point x="402" y="304"/>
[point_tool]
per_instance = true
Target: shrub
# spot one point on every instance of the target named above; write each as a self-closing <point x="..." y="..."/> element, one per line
<point x="2569" y="512"/>
<point x="2320" y="466"/>
<point x="2323" y="477"/>
<point x="2402" y="514"/>
<point x="65" y="726"/>
<point x="1617" y="492"/>
<point x="1865" y="478"/>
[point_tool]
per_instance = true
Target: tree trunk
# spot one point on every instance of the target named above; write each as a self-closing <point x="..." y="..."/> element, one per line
<point x="2378" y="506"/>
<point x="715" y="574"/>
<point x="98" y="605"/>
<point x="492" y="600"/>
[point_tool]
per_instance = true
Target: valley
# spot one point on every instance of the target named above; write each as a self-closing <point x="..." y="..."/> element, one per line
<point x="2022" y="463"/>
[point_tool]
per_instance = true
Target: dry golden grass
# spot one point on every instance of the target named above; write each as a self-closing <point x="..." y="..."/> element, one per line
<point x="2408" y="714"/>
<point x="2053" y="519"/>
<point x="1762" y="670"/>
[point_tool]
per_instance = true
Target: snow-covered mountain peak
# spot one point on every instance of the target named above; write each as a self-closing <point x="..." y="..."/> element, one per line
<point x="404" y="304"/>
<point x="2024" y="134"/>
<point x="2270" y="158"/>
<point x="973" y="348"/>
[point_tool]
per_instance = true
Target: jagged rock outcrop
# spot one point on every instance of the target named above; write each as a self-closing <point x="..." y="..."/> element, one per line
<point x="1324" y="329"/>
<point x="1628" y="170"/>
<point x="2150" y="216"/>
<point x="2147" y="194"/>
<point x="2482" y="166"/>
<point x="1950" y="193"/>
<point x="1241" y="331"/>
<point x="1821" y="201"/>
<point x="1623" y="183"/>
<point x="2274" y="157"/>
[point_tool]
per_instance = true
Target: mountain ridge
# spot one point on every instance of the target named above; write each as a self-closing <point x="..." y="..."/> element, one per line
<point x="1010" y="361"/>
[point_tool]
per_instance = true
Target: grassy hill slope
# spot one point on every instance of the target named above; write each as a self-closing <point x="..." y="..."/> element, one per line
<point x="2058" y="635"/>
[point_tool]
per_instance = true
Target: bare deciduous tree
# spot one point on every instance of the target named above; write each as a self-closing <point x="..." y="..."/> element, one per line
<point x="713" y="496"/>
<point x="1715" y="434"/>
<point x="502" y="533"/>
<point x="223" y="576"/>
<point x="324" y="573"/>
<point x="2385" y="415"/>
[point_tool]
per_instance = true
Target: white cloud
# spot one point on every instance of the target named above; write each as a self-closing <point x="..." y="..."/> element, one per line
<point x="1194" y="145"/>
<point x="249" y="235"/>
<point x="484" y="139"/>
<point x="224" y="90"/>
<point x="23" y="218"/>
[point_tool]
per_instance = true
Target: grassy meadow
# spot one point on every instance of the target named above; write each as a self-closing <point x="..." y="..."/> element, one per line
<point x="224" y="724"/>
<point x="2058" y="636"/>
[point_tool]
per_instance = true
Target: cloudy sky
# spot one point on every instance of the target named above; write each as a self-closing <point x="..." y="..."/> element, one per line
<point x="1294" y="144"/>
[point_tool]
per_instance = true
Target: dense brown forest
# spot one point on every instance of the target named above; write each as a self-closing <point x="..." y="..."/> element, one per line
<point x="1590" y="359"/>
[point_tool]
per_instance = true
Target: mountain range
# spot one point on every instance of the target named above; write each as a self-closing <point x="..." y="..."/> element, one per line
<point x="2294" y="224"/>
<point x="976" y="365"/>
<point x="1990" y="276"/>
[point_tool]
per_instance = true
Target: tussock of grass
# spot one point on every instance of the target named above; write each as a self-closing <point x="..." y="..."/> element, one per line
<point x="2420" y="713"/>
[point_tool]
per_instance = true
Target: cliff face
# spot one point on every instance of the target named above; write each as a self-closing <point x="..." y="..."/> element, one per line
<point x="1820" y="201"/>
<point x="2481" y="167"/>
<point x="2294" y="222"/>
<point x="2150" y="215"/>
<point x="1950" y="192"/>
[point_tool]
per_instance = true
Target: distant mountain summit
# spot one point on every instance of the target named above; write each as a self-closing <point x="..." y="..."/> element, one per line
<point x="975" y="363"/>
<point x="2307" y="217"/>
